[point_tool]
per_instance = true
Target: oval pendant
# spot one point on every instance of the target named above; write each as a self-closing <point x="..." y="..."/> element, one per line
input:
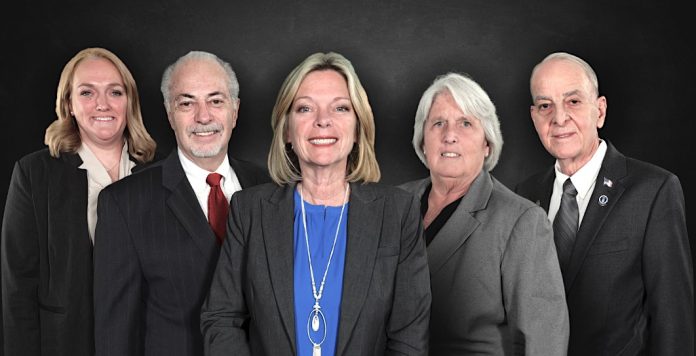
<point x="315" y="322"/>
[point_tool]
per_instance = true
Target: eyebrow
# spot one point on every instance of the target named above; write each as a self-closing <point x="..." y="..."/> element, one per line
<point x="191" y="96"/>
<point x="565" y="95"/>
<point x="333" y="100"/>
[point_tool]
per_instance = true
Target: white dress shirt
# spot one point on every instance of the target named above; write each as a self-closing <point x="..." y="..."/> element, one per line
<point x="583" y="180"/>
<point x="197" y="176"/>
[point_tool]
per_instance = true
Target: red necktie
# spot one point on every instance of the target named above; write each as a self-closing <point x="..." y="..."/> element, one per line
<point x="217" y="206"/>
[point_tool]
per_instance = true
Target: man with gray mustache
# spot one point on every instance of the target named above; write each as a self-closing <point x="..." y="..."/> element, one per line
<point x="158" y="235"/>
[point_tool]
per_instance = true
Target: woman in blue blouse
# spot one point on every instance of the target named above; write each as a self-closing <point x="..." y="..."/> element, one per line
<point x="325" y="261"/>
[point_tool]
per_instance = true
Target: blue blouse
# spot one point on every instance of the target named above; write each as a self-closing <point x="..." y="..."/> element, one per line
<point x="321" y="225"/>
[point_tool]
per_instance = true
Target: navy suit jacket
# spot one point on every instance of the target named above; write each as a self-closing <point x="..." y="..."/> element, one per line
<point x="629" y="281"/>
<point x="154" y="256"/>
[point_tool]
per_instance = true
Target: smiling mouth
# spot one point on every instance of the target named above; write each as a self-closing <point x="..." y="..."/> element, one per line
<point x="104" y="118"/>
<point x="322" y="141"/>
<point x="449" y="154"/>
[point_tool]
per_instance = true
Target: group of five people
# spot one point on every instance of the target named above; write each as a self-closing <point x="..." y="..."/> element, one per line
<point x="109" y="251"/>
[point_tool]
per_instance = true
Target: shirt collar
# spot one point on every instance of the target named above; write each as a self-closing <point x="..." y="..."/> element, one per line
<point x="585" y="177"/>
<point x="197" y="175"/>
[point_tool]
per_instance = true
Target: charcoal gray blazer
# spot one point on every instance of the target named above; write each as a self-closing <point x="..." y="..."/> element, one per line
<point x="496" y="283"/>
<point x="385" y="305"/>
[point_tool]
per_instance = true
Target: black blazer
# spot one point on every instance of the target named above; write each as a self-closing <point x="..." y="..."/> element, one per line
<point x="629" y="282"/>
<point x="385" y="305"/>
<point x="47" y="259"/>
<point x="154" y="255"/>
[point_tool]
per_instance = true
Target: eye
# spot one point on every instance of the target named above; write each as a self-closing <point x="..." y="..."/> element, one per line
<point x="186" y="105"/>
<point x="116" y="92"/>
<point x="217" y="102"/>
<point x="343" y="108"/>
<point x="85" y="93"/>
<point x="466" y="123"/>
<point x="438" y="123"/>
<point x="302" y="108"/>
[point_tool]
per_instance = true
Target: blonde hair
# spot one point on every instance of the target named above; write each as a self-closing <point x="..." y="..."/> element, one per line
<point x="283" y="164"/>
<point x="63" y="135"/>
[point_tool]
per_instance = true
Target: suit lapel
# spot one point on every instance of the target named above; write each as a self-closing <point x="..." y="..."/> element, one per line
<point x="461" y="224"/>
<point x="184" y="205"/>
<point x="277" y="214"/>
<point x="607" y="191"/>
<point x="364" y="231"/>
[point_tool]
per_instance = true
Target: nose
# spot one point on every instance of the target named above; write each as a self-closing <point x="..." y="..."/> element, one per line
<point x="450" y="135"/>
<point x="560" y="116"/>
<point x="203" y="114"/>
<point x="102" y="103"/>
<point x="323" y="119"/>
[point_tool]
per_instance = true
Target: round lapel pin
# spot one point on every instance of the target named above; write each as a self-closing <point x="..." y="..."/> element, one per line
<point x="603" y="200"/>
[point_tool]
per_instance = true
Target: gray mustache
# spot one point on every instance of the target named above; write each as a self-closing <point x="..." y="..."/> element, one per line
<point x="205" y="128"/>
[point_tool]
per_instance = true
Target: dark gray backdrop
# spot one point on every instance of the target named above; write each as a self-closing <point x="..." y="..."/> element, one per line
<point x="644" y="60"/>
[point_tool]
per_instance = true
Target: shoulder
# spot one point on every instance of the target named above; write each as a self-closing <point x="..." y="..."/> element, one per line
<point x="511" y="203"/>
<point x="249" y="173"/>
<point x="414" y="186"/>
<point x="42" y="163"/>
<point x="262" y="191"/>
<point x="534" y="181"/>
<point x="393" y="197"/>
<point x="144" y="179"/>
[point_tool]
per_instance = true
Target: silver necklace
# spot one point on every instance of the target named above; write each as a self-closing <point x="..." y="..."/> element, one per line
<point x="313" y="320"/>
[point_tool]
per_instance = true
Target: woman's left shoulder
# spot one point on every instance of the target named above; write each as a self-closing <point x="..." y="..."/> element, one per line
<point x="383" y="190"/>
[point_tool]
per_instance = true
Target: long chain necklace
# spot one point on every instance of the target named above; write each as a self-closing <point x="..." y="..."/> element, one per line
<point x="316" y="314"/>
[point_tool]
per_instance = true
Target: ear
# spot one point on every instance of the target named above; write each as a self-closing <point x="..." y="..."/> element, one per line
<point x="602" y="111"/>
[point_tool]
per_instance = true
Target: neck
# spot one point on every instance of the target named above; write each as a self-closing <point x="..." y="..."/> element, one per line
<point x="571" y="165"/>
<point x="450" y="189"/>
<point x="324" y="192"/>
<point x="210" y="164"/>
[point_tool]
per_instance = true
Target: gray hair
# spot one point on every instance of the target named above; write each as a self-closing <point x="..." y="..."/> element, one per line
<point x="563" y="56"/>
<point x="472" y="100"/>
<point x="232" y="83"/>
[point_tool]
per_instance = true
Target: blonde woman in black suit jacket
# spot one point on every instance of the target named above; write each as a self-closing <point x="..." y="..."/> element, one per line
<point x="50" y="213"/>
<point x="364" y="288"/>
<point x="496" y="283"/>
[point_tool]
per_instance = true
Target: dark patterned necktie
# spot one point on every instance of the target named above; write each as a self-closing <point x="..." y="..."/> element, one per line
<point x="217" y="206"/>
<point x="565" y="225"/>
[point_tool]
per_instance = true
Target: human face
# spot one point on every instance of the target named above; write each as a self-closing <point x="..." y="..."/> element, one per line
<point x="567" y="113"/>
<point x="322" y="122"/>
<point x="99" y="103"/>
<point x="202" y="113"/>
<point x="454" y="143"/>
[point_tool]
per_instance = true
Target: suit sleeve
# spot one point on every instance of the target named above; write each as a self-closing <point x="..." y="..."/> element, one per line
<point x="407" y="328"/>
<point x="118" y="284"/>
<point x="533" y="292"/>
<point x="668" y="274"/>
<point x="224" y="312"/>
<point x="20" y="269"/>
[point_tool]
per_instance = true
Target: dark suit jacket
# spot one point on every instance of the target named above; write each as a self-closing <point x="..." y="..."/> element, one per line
<point x="496" y="284"/>
<point x="629" y="282"/>
<point x="154" y="256"/>
<point x="47" y="259"/>
<point x="385" y="304"/>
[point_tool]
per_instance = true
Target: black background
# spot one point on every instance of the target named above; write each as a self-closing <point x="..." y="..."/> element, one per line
<point x="641" y="52"/>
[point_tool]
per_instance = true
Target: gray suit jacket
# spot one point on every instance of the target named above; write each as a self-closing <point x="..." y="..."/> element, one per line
<point x="496" y="283"/>
<point x="629" y="282"/>
<point x="154" y="255"/>
<point x="385" y="304"/>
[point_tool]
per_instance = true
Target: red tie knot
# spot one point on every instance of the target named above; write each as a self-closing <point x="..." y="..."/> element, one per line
<point x="213" y="179"/>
